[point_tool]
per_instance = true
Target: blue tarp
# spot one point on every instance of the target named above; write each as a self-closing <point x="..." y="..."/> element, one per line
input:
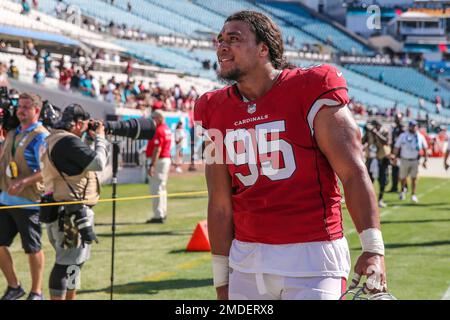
<point x="37" y="35"/>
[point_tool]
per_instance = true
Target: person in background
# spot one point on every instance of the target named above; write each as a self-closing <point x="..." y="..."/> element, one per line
<point x="180" y="138"/>
<point x="397" y="130"/>
<point x="158" y="155"/>
<point x="375" y="141"/>
<point x="408" y="148"/>
<point x="21" y="182"/>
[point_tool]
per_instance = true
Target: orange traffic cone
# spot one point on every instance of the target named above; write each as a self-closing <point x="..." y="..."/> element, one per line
<point x="199" y="240"/>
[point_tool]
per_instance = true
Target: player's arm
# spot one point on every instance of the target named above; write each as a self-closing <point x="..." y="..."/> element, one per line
<point x="220" y="222"/>
<point x="381" y="137"/>
<point x="339" y="138"/>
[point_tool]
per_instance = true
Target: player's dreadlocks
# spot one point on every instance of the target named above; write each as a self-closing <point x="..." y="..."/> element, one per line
<point x="266" y="31"/>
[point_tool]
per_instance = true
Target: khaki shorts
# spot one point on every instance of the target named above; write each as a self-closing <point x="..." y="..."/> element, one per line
<point x="409" y="168"/>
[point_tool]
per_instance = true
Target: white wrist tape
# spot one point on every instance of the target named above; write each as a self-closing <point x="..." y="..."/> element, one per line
<point x="372" y="241"/>
<point x="221" y="270"/>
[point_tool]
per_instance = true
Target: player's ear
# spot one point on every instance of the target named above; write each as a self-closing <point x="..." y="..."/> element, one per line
<point x="263" y="50"/>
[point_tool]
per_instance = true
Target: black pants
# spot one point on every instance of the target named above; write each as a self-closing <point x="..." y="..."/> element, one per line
<point x="395" y="174"/>
<point x="383" y="179"/>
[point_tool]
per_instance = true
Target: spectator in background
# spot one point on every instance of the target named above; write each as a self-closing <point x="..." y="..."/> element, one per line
<point x="408" y="148"/>
<point x="65" y="77"/>
<point x="35" y="4"/>
<point x="30" y="51"/>
<point x="25" y="7"/>
<point x="438" y="102"/>
<point x="13" y="71"/>
<point x="60" y="8"/>
<point x="3" y="75"/>
<point x="180" y="138"/>
<point x="193" y="94"/>
<point x="75" y="80"/>
<point x="129" y="8"/>
<point x="375" y="143"/>
<point x="39" y="75"/>
<point x="86" y="87"/>
<point x="95" y="87"/>
<point x="129" y="69"/>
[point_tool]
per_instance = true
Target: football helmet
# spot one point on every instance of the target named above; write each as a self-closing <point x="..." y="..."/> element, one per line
<point x="359" y="293"/>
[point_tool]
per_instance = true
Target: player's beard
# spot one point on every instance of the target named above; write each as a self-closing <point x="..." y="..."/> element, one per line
<point x="233" y="75"/>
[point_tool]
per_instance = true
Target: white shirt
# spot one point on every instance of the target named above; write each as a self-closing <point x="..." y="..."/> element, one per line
<point x="410" y="144"/>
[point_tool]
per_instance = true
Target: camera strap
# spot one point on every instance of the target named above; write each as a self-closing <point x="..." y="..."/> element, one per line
<point x="68" y="184"/>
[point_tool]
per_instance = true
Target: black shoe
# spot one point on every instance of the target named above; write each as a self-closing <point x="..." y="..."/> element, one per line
<point x="393" y="191"/>
<point x="13" y="293"/>
<point x="35" y="296"/>
<point x="156" y="220"/>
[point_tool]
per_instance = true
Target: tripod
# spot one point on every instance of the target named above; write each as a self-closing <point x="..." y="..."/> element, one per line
<point x="115" y="165"/>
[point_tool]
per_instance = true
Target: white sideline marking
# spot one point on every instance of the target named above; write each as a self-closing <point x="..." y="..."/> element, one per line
<point x="446" y="294"/>
<point x="390" y="210"/>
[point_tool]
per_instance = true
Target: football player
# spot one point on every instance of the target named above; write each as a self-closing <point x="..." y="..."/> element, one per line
<point x="279" y="139"/>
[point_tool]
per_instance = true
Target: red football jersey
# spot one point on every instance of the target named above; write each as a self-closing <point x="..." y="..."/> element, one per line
<point x="284" y="189"/>
<point x="162" y="138"/>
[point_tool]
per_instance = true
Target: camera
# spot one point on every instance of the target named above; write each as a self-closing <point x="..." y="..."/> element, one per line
<point x="136" y="128"/>
<point x="9" y="101"/>
<point x="50" y="115"/>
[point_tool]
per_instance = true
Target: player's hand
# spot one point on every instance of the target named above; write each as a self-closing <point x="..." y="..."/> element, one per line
<point x="100" y="131"/>
<point x="151" y="170"/>
<point x="222" y="292"/>
<point x="372" y="266"/>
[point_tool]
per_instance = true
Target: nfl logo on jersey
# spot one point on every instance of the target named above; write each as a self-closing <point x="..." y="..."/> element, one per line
<point x="251" y="108"/>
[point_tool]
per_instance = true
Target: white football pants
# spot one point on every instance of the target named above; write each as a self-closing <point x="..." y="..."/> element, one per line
<point x="251" y="286"/>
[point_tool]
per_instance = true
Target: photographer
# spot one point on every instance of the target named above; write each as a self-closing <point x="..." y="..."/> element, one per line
<point x="69" y="167"/>
<point x="376" y="146"/>
<point x="21" y="182"/>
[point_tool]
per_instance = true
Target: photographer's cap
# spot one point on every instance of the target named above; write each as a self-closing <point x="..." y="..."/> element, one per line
<point x="74" y="111"/>
<point x="412" y="123"/>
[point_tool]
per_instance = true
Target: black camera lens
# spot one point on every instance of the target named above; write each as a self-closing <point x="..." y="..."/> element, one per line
<point x="136" y="128"/>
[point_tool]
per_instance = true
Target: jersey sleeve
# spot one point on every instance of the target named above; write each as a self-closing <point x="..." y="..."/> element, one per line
<point x="327" y="87"/>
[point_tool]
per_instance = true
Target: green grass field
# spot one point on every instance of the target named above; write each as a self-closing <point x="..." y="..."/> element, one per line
<point x="151" y="262"/>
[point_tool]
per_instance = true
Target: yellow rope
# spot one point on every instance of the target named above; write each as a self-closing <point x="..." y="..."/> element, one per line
<point x="180" y="194"/>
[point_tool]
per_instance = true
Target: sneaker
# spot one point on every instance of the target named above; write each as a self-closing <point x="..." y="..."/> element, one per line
<point x="382" y="204"/>
<point x="156" y="220"/>
<point x="414" y="198"/>
<point x="35" y="296"/>
<point x="402" y="196"/>
<point x="13" y="293"/>
<point x="178" y="170"/>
